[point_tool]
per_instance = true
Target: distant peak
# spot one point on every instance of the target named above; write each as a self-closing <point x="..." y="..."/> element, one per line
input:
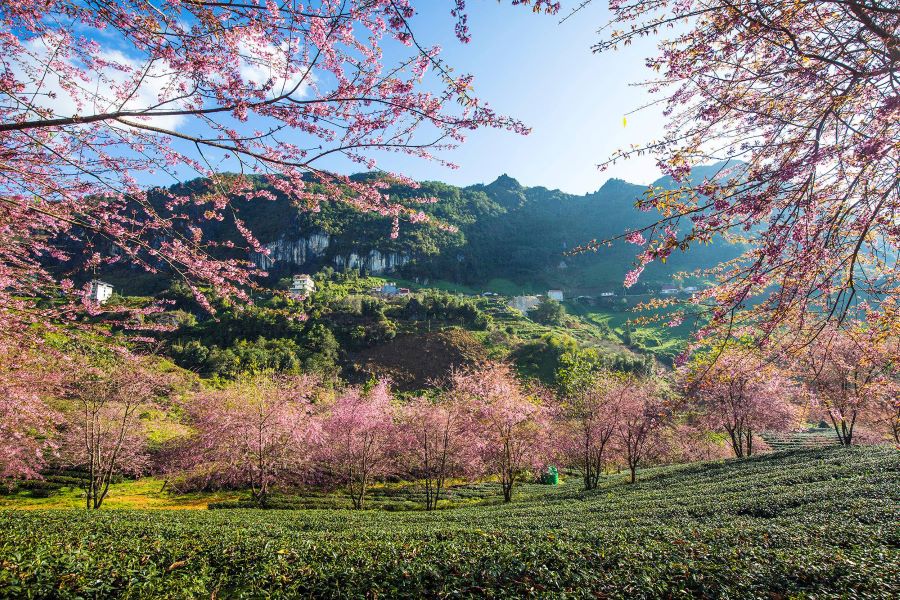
<point x="615" y="184"/>
<point x="505" y="182"/>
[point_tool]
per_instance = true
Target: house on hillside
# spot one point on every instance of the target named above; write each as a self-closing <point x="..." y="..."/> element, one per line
<point x="669" y="290"/>
<point x="302" y="286"/>
<point x="100" y="291"/>
<point x="524" y="303"/>
<point x="555" y="295"/>
<point x="389" y="289"/>
<point x="607" y="294"/>
<point x="690" y="289"/>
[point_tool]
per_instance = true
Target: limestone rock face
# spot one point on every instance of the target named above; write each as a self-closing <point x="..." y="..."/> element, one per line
<point x="301" y="250"/>
<point x="374" y="262"/>
<point x="297" y="251"/>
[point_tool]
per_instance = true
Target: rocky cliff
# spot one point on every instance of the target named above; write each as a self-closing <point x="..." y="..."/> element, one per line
<point x="291" y="251"/>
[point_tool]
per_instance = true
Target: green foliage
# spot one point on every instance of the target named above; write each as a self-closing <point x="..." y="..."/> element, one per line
<point x="548" y="312"/>
<point x="541" y="358"/>
<point x="317" y="335"/>
<point x="445" y="308"/>
<point x="816" y="523"/>
<point x="505" y="233"/>
<point x="558" y="360"/>
<point x="576" y="372"/>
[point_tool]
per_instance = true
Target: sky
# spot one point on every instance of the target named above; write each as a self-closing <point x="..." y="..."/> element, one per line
<point x="528" y="66"/>
<point x="531" y="67"/>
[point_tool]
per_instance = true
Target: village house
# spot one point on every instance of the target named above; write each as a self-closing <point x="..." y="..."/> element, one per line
<point x="100" y="291"/>
<point x="555" y="295"/>
<point x="669" y="290"/>
<point x="391" y="289"/>
<point x="302" y="286"/>
<point x="524" y="303"/>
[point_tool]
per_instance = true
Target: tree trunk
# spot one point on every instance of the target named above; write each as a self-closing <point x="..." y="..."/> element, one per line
<point x="737" y="442"/>
<point x="507" y="492"/>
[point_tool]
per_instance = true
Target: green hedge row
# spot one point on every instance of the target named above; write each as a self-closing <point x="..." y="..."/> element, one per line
<point x="809" y="524"/>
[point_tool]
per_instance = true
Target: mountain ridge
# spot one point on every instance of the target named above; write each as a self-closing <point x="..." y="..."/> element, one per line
<point x="504" y="230"/>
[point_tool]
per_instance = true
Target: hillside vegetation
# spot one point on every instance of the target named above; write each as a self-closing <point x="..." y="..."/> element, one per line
<point x="506" y="237"/>
<point x="344" y="330"/>
<point x="811" y="523"/>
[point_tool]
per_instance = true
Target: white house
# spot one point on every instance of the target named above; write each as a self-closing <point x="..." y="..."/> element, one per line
<point x="690" y="289"/>
<point x="524" y="303"/>
<point x="555" y="295"/>
<point x="669" y="290"/>
<point x="302" y="286"/>
<point x="607" y="294"/>
<point x="100" y="291"/>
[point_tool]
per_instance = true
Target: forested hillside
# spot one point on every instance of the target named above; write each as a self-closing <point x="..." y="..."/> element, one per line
<point x="503" y="237"/>
<point x="344" y="330"/>
<point x="499" y="231"/>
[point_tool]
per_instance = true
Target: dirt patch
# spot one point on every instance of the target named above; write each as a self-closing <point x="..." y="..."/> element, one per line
<point x="412" y="361"/>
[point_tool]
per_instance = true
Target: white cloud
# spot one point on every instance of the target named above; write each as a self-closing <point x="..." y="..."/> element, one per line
<point x="133" y="84"/>
<point x="262" y="61"/>
<point x="101" y="90"/>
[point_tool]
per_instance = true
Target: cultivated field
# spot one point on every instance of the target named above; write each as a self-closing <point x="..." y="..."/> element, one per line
<point x="809" y="523"/>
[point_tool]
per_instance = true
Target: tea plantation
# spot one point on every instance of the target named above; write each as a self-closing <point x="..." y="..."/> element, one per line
<point x="816" y="523"/>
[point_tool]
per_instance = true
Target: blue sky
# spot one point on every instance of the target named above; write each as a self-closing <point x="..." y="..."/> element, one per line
<point x="526" y="65"/>
<point x="531" y="67"/>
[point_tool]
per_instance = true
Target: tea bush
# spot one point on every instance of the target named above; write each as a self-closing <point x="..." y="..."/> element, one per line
<point x="810" y="523"/>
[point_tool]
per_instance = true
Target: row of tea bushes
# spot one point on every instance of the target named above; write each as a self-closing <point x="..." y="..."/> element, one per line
<point x="813" y="523"/>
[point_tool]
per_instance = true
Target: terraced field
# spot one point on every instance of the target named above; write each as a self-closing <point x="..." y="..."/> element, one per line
<point x="816" y="437"/>
<point x="810" y="523"/>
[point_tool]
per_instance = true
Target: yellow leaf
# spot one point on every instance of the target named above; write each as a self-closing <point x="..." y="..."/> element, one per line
<point x="624" y="121"/>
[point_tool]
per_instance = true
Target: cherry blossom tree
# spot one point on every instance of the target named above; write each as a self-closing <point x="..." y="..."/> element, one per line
<point x="439" y="440"/>
<point x="258" y="432"/>
<point x="102" y="433"/>
<point x="360" y="440"/>
<point x="97" y="99"/>
<point x="690" y="440"/>
<point x="512" y="425"/>
<point x="850" y="372"/>
<point x="891" y="416"/>
<point x="642" y="415"/>
<point x="27" y="420"/>
<point x="738" y="391"/>
<point x="588" y="412"/>
<point x="801" y="98"/>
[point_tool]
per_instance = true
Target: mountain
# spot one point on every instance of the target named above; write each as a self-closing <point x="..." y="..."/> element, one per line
<point x="505" y="231"/>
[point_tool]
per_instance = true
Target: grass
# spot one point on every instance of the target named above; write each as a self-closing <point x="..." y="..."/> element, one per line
<point x="144" y="493"/>
<point x="148" y="494"/>
<point x="655" y="337"/>
<point x="504" y="287"/>
<point x="819" y="523"/>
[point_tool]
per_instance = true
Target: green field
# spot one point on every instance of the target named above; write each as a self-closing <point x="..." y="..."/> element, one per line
<point x="803" y="524"/>
<point x="655" y="337"/>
